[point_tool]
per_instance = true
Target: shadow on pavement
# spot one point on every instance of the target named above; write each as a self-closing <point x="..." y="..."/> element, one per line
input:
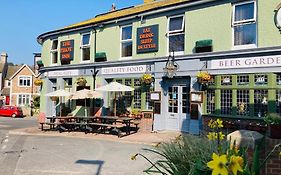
<point x="95" y="162"/>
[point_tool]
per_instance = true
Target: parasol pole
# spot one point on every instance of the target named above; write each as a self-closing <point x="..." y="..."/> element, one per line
<point x="85" y="107"/>
<point x="114" y="104"/>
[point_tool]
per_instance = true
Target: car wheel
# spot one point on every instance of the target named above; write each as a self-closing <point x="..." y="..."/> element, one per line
<point x="14" y="115"/>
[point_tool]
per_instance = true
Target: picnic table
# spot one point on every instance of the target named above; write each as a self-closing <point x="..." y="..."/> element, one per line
<point x="90" y="123"/>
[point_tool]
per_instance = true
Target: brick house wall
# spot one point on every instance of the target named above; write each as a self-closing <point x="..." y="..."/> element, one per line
<point x="15" y="89"/>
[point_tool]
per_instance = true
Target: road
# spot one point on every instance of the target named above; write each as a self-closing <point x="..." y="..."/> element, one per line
<point x="51" y="155"/>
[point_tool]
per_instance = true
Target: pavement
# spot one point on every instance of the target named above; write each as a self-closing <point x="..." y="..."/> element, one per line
<point x="141" y="137"/>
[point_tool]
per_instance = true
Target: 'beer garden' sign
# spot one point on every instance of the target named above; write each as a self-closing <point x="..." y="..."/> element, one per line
<point x="147" y="39"/>
<point x="67" y="50"/>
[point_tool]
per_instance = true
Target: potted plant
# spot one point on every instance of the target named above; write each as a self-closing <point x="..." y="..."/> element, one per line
<point x="147" y="79"/>
<point x="203" y="77"/>
<point x="38" y="82"/>
<point x="81" y="81"/>
<point x="274" y="122"/>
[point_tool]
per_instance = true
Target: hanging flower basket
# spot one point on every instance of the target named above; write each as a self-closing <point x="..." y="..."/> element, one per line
<point x="147" y="79"/>
<point x="38" y="82"/>
<point x="81" y="81"/>
<point x="203" y="77"/>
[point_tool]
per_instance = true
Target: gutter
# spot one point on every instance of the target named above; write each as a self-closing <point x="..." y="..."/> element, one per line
<point x="41" y="37"/>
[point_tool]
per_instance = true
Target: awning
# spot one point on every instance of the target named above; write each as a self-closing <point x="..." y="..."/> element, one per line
<point x="40" y="62"/>
<point x="100" y="56"/>
<point x="204" y="43"/>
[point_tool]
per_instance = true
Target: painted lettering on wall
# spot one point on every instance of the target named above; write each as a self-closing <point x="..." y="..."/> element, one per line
<point x="263" y="61"/>
<point x="67" y="50"/>
<point x="147" y="39"/>
<point x="124" y="70"/>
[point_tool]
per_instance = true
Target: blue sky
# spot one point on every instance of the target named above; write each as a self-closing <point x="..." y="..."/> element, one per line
<point x="21" y="21"/>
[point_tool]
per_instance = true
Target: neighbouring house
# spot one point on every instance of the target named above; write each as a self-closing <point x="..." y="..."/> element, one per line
<point x="3" y="72"/>
<point x="20" y="87"/>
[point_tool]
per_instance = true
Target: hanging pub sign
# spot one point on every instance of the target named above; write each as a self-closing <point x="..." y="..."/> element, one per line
<point x="67" y="50"/>
<point x="147" y="39"/>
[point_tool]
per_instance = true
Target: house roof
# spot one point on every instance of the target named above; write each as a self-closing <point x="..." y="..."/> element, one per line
<point x="119" y="14"/>
<point x="6" y="91"/>
<point x="12" y="70"/>
<point x="23" y="66"/>
<point x="128" y="11"/>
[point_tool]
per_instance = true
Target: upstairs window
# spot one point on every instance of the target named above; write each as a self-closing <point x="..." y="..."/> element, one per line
<point x="54" y="52"/>
<point x="24" y="81"/>
<point x="126" y="41"/>
<point x="85" y="46"/>
<point x="176" y="34"/>
<point x="244" y="24"/>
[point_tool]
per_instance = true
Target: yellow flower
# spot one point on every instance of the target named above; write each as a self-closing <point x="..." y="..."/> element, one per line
<point x="280" y="154"/>
<point x="236" y="163"/>
<point x="221" y="135"/>
<point x="219" y="123"/>
<point x="218" y="165"/>
<point x="134" y="157"/>
<point x="212" y="136"/>
<point x="211" y="124"/>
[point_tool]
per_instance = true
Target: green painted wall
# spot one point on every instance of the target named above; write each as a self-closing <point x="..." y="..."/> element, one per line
<point x="268" y="34"/>
<point x="204" y="22"/>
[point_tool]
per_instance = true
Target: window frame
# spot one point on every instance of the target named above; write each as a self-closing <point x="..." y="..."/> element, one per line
<point x="175" y="32"/>
<point x="86" y="46"/>
<point x="25" y="78"/>
<point x="24" y="96"/>
<point x="243" y="23"/>
<point x="53" y="51"/>
<point x="125" y="41"/>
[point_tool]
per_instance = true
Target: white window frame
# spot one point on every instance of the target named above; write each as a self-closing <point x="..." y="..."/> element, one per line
<point x="24" y="96"/>
<point x="85" y="46"/>
<point x="25" y="78"/>
<point x="125" y="41"/>
<point x="175" y="32"/>
<point x="244" y="22"/>
<point x="54" y="51"/>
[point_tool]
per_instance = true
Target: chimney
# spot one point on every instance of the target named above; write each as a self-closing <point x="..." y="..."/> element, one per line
<point x="148" y="1"/>
<point x="4" y="57"/>
<point x="113" y="7"/>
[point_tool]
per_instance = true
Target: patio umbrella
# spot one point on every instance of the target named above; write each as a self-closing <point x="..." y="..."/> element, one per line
<point x="115" y="87"/>
<point x="59" y="93"/>
<point x="84" y="94"/>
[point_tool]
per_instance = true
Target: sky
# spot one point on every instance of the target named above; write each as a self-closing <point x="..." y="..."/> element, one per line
<point x="21" y="21"/>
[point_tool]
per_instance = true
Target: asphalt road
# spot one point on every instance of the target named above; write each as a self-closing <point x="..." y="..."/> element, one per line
<point x="45" y="155"/>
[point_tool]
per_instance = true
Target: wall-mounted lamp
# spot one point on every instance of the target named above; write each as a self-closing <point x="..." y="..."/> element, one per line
<point x="171" y="67"/>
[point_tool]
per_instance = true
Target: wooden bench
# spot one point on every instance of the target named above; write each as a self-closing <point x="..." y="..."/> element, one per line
<point x="104" y="126"/>
<point x="136" y="123"/>
<point x="51" y="124"/>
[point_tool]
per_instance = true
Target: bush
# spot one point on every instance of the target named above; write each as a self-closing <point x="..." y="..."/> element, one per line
<point x="272" y="119"/>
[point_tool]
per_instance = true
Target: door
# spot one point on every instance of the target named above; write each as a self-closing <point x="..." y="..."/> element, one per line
<point x="178" y="108"/>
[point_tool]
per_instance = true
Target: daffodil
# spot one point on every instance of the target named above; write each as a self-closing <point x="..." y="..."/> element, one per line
<point x="219" y="123"/>
<point x="221" y="136"/>
<point x="211" y="124"/>
<point x="280" y="154"/>
<point x="212" y="136"/>
<point x="236" y="163"/>
<point x="218" y="164"/>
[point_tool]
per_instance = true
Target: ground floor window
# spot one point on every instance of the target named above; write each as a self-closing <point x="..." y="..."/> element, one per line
<point x="248" y="95"/>
<point x="23" y="99"/>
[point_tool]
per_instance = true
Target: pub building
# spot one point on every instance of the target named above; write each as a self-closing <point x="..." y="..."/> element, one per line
<point x="236" y="42"/>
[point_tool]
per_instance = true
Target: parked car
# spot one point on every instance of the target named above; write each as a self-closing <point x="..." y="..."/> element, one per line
<point x="11" y="111"/>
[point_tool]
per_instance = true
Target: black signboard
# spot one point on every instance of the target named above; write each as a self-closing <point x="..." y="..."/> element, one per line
<point x="67" y="50"/>
<point x="147" y="39"/>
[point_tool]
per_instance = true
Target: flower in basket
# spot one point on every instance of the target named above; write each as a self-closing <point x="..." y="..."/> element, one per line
<point x="81" y="81"/>
<point x="203" y="76"/>
<point x="38" y="82"/>
<point x="147" y="79"/>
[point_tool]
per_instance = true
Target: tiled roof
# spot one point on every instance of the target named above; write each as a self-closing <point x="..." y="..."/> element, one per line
<point x="6" y="91"/>
<point x="12" y="70"/>
<point x="127" y="12"/>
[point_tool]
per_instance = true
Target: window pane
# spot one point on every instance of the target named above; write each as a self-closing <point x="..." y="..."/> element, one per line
<point x="243" y="79"/>
<point x="243" y="102"/>
<point x="245" y="34"/>
<point x="86" y="53"/>
<point x="55" y="45"/>
<point x="226" y="101"/>
<point x="137" y="99"/>
<point x="176" y="43"/>
<point x="260" y="101"/>
<point x="127" y="33"/>
<point x="86" y="39"/>
<point x="176" y="23"/>
<point x="244" y="12"/>
<point x="211" y="101"/>
<point x="278" y="102"/>
<point x="127" y="49"/>
<point x="55" y="57"/>
<point x="28" y="82"/>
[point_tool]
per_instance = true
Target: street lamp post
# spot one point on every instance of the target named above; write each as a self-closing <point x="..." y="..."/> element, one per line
<point x="171" y="67"/>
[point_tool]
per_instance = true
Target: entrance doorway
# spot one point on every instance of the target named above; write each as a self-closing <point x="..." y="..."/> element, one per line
<point x="178" y="107"/>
